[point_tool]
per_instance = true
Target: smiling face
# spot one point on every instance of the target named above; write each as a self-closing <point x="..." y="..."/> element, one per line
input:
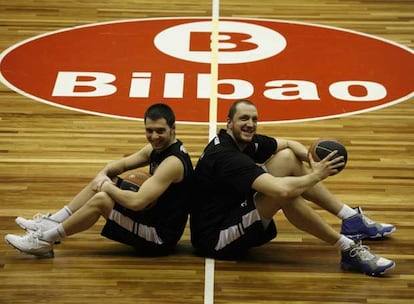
<point x="243" y="124"/>
<point x="159" y="134"/>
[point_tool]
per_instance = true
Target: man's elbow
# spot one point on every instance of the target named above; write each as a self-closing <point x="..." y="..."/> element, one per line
<point x="140" y="205"/>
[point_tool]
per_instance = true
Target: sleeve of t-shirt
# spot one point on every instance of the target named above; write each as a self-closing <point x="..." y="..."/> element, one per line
<point x="240" y="170"/>
<point x="266" y="147"/>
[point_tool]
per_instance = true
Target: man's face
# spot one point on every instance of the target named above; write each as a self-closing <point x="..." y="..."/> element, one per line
<point x="244" y="123"/>
<point x="158" y="133"/>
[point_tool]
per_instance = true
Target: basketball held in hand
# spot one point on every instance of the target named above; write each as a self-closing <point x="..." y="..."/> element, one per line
<point x="133" y="181"/>
<point x="324" y="146"/>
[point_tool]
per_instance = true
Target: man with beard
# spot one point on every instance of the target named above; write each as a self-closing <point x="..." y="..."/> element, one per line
<point x="243" y="179"/>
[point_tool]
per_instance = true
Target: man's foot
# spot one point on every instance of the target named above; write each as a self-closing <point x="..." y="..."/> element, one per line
<point x="359" y="258"/>
<point x="39" y="221"/>
<point x="30" y="243"/>
<point x="359" y="227"/>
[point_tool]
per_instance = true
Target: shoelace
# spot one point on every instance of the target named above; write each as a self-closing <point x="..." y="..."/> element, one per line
<point x="37" y="219"/>
<point x="362" y="251"/>
<point x="40" y="216"/>
<point x="368" y="220"/>
<point x="33" y="236"/>
<point x="365" y="218"/>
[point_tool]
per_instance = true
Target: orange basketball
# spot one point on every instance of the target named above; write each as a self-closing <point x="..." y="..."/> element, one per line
<point x="134" y="181"/>
<point x="138" y="178"/>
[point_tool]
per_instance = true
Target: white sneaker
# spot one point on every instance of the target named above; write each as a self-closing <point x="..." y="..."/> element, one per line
<point x="39" y="221"/>
<point x="30" y="243"/>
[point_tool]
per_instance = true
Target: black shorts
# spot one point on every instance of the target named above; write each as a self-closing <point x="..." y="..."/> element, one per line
<point x="126" y="226"/>
<point x="241" y="230"/>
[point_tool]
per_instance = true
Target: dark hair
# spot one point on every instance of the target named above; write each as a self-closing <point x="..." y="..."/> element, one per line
<point x="233" y="107"/>
<point x="160" y="110"/>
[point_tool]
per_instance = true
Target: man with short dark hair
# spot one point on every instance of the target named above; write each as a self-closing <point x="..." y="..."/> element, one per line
<point x="132" y="217"/>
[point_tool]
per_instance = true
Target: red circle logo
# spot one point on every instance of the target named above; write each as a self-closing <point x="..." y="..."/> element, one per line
<point x="292" y="71"/>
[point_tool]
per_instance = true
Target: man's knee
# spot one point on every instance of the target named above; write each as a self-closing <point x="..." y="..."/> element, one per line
<point x="101" y="201"/>
<point x="286" y="155"/>
<point x="284" y="163"/>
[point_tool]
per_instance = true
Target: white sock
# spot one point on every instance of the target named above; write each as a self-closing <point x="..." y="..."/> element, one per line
<point x="344" y="243"/>
<point x="61" y="215"/>
<point x="54" y="234"/>
<point x="346" y="212"/>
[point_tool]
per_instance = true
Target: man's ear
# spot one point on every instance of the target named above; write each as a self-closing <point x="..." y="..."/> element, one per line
<point x="229" y="126"/>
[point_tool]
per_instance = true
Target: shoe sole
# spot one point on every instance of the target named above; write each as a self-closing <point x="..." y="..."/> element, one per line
<point x="49" y="254"/>
<point x="380" y="235"/>
<point x="364" y="236"/>
<point x="372" y="274"/>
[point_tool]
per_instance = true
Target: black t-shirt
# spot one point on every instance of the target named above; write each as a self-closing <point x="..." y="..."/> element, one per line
<point x="223" y="179"/>
<point x="170" y="214"/>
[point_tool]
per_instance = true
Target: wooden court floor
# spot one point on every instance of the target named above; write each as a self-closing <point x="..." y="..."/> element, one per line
<point x="47" y="154"/>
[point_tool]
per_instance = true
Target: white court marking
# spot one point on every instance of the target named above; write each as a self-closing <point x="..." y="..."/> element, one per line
<point x="210" y="263"/>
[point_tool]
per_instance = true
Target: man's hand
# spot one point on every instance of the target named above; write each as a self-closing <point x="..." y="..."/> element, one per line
<point x="99" y="181"/>
<point x="327" y="166"/>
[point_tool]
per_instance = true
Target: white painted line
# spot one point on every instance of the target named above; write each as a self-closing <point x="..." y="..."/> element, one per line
<point x="209" y="281"/>
<point x="210" y="263"/>
<point x="214" y="69"/>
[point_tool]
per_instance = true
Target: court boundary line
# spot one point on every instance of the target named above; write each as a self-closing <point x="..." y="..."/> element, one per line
<point x="209" y="265"/>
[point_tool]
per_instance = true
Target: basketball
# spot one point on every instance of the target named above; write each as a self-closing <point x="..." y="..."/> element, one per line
<point x="322" y="147"/>
<point x="134" y="180"/>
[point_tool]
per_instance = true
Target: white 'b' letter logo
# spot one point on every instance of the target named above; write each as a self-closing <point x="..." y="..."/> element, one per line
<point x="238" y="42"/>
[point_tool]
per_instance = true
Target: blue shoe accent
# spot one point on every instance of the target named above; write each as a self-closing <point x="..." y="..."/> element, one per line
<point x="358" y="258"/>
<point x="359" y="227"/>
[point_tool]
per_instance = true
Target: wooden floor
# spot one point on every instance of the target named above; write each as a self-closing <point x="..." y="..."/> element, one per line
<point x="47" y="154"/>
